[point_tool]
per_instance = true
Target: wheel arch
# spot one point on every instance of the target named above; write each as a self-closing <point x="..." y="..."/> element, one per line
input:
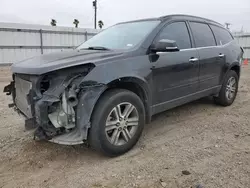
<point x="92" y="94"/>
<point x="234" y="66"/>
<point x="137" y="86"/>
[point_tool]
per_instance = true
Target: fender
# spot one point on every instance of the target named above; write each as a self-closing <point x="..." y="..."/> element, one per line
<point x="87" y="101"/>
<point x="98" y="90"/>
<point x="132" y="69"/>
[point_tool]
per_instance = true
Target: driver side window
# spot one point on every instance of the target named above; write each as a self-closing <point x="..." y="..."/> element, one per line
<point x="178" y="32"/>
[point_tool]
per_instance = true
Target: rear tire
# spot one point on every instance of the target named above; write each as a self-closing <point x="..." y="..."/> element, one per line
<point x="117" y="122"/>
<point x="228" y="90"/>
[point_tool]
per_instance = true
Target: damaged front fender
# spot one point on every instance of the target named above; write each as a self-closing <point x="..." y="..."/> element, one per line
<point x="88" y="97"/>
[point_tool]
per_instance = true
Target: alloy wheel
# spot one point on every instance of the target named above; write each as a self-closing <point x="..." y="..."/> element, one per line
<point x="231" y="88"/>
<point x="122" y="123"/>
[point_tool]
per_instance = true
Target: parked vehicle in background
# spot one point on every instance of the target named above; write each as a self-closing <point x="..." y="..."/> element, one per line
<point x="104" y="91"/>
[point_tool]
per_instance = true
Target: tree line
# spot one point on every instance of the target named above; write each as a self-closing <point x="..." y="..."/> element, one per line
<point x="76" y="23"/>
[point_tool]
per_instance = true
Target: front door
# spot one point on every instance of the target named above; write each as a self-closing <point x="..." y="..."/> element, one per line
<point x="175" y="74"/>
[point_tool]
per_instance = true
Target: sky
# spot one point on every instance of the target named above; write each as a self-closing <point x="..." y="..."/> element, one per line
<point x="236" y="12"/>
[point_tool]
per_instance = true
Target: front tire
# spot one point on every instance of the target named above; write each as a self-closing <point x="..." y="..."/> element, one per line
<point x="228" y="90"/>
<point x="117" y="122"/>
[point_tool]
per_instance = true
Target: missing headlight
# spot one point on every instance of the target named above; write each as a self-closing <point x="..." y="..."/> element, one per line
<point x="44" y="84"/>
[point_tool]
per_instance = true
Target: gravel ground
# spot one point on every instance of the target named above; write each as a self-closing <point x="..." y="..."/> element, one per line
<point x="195" y="144"/>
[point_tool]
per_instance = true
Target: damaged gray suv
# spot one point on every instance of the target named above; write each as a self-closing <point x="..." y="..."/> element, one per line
<point x="105" y="90"/>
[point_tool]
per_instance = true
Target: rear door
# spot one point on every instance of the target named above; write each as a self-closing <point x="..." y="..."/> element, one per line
<point x="226" y="51"/>
<point x="211" y="61"/>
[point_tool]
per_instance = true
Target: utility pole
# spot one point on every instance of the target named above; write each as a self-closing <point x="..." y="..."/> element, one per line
<point x="95" y="7"/>
<point x="227" y="25"/>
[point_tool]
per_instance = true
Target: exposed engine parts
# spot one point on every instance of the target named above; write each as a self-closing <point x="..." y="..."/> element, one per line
<point x="72" y="96"/>
<point x="64" y="116"/>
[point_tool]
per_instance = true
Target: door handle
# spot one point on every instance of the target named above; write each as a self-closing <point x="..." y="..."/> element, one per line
<point x="192" y="60"/>
<point x="221" y="55"/>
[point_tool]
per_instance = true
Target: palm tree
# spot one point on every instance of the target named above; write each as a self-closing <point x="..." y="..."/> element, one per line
<point x="100" y="24"/>
<point x="76" y="22"/>
<point x="53" y="22"/>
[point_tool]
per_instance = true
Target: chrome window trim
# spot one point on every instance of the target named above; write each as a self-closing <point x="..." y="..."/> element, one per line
<point x="207" y="47"/>
<point x="197" y="48"/>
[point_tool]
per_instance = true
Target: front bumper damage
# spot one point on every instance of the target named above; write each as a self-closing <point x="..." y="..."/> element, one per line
<point x="62" y="114"/>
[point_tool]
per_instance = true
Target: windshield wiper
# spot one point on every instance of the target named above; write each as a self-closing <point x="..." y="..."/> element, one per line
<point x="97" y="48"/>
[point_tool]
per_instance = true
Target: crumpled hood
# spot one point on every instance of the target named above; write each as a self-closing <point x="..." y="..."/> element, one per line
<point x="54" y="61"/>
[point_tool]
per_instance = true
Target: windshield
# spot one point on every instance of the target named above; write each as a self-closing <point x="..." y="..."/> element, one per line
<point x="121" y="36"/>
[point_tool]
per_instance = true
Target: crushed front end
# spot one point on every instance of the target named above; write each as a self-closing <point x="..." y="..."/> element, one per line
<point x="58" y="104"/>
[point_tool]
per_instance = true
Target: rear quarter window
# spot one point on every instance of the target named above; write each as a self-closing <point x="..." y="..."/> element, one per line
<point x="222" y="35"/>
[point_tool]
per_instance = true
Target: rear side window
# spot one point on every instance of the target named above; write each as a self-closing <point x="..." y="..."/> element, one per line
<point x="222" y="35"/>
<point x="178" y="32"/>
<point x="203" y="35"/>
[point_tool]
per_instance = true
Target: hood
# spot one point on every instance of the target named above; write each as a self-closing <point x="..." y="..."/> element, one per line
<point x="50" y="62"/>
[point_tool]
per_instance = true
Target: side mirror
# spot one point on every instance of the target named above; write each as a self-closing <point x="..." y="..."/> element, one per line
<point x="165" y="45"/>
